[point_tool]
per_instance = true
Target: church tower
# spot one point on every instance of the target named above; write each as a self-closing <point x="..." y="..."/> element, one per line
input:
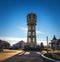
<point x="31" y="35"/>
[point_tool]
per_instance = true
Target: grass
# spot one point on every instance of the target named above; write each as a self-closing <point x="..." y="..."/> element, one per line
<point x="8" y="53"/>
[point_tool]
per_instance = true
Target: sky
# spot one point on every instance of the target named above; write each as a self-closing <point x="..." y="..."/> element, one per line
<point x="13" y="19"/>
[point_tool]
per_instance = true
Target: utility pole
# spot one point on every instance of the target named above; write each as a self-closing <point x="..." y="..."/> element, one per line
<point x="47" y="43"/>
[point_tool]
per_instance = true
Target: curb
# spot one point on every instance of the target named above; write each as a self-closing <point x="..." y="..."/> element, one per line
<point x="49" y="59"/>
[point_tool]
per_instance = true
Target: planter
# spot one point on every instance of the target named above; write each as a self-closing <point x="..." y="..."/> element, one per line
<point x="56" y="56"/>
<point x="49" y="59"/>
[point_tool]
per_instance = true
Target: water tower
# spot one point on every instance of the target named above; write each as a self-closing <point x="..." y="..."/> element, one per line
<point x="31" y="34"/>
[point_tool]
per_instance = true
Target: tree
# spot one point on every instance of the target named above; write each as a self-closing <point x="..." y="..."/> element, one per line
<point x="41" y="46"/>
<point x="4" y="44"/>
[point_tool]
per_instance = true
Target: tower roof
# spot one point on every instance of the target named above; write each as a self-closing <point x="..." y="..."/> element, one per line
<point x="31" y="14"/>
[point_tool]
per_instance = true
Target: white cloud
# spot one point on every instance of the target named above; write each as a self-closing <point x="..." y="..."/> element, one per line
<point x="39" y="32"/>
<point x="25" y="30"/>
<point x="13" y="40"/>
<point x="44" y="42"/>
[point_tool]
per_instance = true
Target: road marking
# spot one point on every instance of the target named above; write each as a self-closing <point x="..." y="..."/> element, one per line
<point x="21" y="53"/>
<point x="27" y="53"/>
<point x="38" y="53"/>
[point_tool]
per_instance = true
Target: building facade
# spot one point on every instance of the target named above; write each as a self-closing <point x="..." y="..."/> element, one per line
<point x="4" y="44"/>
<point x="19" y="45"/>
<point x="55" y="43"/>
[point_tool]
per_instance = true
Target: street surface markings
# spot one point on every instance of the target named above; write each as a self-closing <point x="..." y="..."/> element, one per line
<point x="21" y="53"/>
<point x="27" y="53"/>
<point x="38" y="53"/>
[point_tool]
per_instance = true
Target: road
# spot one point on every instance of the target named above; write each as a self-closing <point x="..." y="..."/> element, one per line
<point x="27" y="56"/>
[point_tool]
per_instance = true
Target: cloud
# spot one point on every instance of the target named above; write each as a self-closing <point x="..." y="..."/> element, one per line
<point x="13" y="40"/>
<point x="44" y="42"/>
<point x="39" y="32"/>
<point x="25" y="30"/>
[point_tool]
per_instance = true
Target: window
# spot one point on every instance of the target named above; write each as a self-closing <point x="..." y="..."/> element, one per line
<point x="29" y="27"/>
<point x="32" y="27"/>
<point x="29" y="39"/>
<point x="29" y="33"/>
<point x="33" y="39"/>
<point x="33" y="33"/>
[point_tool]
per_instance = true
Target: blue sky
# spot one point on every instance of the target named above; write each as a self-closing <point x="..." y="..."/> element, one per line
<point x="13" y="21"/>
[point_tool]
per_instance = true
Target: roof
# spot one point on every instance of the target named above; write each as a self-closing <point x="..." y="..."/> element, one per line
<point x="54" y="38"/>
<point x="31" y="14"/>
<point x="58" y="40"/>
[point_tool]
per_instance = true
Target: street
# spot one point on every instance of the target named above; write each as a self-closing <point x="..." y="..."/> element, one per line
<point x="27" y="56"/>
